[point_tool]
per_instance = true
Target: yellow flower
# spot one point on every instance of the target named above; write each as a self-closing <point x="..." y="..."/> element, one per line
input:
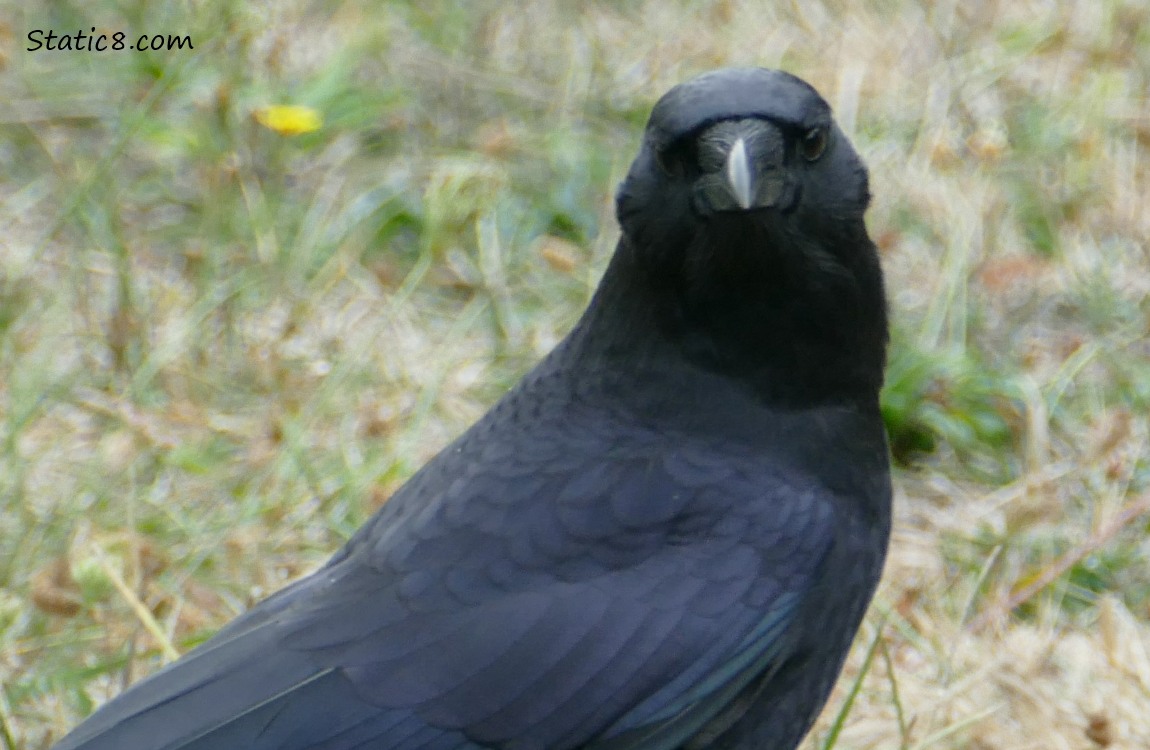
<point x="289" y="119"/>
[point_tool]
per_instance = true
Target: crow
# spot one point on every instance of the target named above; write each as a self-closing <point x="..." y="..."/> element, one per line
<point x="663" y="538"/>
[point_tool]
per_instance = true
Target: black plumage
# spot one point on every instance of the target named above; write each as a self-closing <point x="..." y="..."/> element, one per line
<point x="663" y="537"/>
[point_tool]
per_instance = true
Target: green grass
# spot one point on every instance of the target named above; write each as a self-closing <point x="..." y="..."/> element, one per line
<point x="221" y="348"/>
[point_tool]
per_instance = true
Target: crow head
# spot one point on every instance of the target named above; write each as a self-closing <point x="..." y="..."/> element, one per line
<point x="744" y="212"/>
<point x="740" y="146"/>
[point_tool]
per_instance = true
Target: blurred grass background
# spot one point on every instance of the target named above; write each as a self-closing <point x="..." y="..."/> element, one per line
<point x="222" y="347"/>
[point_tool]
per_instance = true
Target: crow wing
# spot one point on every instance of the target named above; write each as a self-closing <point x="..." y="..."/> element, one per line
<point x="538" y="600"/>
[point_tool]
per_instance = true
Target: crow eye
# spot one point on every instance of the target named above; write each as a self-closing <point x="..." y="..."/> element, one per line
<point x="813" y="143"/>
<point x="678" y="159"/>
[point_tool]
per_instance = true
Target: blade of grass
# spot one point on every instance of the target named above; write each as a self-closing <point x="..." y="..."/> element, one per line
<point x="5" y="731"/>
<point x="143" y="614"/>
<point x="840" y="719"/>
<point x="956" y="727"/>
<point x="898" y="712"/>
<point x="1132" y="512"/>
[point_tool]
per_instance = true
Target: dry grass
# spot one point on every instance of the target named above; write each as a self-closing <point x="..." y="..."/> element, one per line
<point x="221" y="348"/>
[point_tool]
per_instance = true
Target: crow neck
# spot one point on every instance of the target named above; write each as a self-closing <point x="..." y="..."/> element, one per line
<point x="761" y="335"/>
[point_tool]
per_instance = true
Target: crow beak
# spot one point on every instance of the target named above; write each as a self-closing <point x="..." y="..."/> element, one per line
<point x="743" y="167"/>
<point x="740" y="176"/>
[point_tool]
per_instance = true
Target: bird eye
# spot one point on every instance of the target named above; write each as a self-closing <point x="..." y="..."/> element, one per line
<point x="814" y="143"/>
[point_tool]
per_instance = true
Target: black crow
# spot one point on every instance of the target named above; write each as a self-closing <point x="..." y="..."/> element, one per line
<point x="664" y="537"/>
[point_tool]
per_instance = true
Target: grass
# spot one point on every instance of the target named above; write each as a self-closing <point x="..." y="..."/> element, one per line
<point x="221" y="348"/>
